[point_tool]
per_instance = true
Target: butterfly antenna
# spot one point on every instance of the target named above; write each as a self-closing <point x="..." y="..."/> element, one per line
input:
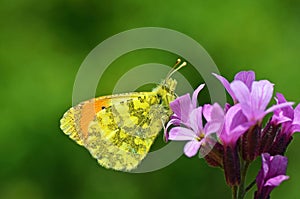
<point x="174" y="69"/>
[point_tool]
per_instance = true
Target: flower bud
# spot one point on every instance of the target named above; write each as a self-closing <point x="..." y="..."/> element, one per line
<point x="250" y="143"/>
<point x="231" y="163"/>
<point x="215" y="157"/>
<point x="268" y="136"/>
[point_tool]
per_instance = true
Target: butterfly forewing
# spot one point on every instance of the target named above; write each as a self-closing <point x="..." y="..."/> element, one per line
<point x="118" y="130"/>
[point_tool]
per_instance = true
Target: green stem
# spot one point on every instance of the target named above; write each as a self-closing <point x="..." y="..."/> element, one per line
<point x="250" y="185"/>
<point x="244" y="169"/>
<point x="234" y="192"/>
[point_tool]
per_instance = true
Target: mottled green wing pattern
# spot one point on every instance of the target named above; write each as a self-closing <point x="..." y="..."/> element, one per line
<point x="122" y="134"/>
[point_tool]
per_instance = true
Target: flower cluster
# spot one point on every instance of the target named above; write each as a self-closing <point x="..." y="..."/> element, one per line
<point x="234" y="136"/>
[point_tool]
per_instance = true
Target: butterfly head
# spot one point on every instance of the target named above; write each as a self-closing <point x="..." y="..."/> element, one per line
<point x="166" y="90"/>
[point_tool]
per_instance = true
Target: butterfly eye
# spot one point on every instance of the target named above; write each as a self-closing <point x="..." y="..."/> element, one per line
<point x="159" y="98"/>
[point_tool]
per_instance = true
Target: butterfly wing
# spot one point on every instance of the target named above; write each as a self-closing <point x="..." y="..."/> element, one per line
<point x="118" y="130"/>
<point x="75" y="121"/>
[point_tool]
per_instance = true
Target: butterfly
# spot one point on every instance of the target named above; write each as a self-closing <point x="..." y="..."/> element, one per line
<point x="118" y="130"/>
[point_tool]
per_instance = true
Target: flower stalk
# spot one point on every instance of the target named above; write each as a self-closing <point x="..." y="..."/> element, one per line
<point x="244" y="170"/>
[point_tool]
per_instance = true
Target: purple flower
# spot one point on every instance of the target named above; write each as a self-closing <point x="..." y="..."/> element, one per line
<point x="183" y="105"/>
<point x="182" y="108"/>
<point x="235" y="125"/>
<point x="193" y="130"/>
<point x="284" y="114"/>
<point x="295" y="125"/>
<point x="245" y="76"/>
<point x="289" y="119"/>
<point x="287" y="116"/>
<point x="255" y="100"/>
<point x="271" y="175"/>
<point x="214" y="116"/>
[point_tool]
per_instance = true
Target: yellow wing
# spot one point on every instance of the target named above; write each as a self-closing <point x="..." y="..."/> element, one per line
<point x="118" y="130"/>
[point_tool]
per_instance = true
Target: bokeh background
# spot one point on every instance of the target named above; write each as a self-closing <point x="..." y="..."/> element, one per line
<point x="43" y="43"/>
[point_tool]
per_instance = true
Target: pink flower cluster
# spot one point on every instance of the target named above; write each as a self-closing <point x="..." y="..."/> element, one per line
<point x="234" y="136"/>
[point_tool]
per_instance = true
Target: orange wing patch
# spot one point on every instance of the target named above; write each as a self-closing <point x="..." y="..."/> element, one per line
<point x="88" y="112"/>
<point x="76" y="120"/>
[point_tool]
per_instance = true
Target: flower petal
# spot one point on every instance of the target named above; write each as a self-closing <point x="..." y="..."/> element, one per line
<point x="260" y="180"/>
<point x="226" y="85"/>
<point x="276" y="181"/>
<point x="181" y="133"/>
<point x="191" y="148"/>
<point x="255" y="102"/>
<point x="297" y="115"/>
<point x="215" y="119"/>
<point x="227" y="107"/>
<point x="234" y="117"/>
<point x="296" y="121"/>
<point x="195" y="95"/>
<point x="228" y="120"/>
<point x="217" y="113"/>
<point x="182" y="106"/>
<point x="271" y="174"/>
<point x="238" y="131"/>
<point x="279" y="118"/>
<point x="196" y="120"/>
<point x="173" y="121"/>
<point x="295" y="128"/>
<point x="242" y="94"/>
<point x="277" y="166"/>
<point x="278" y="106"/>
<point x="261" y="94"/>
<point x="288" y="110"/>
<point x="247" y="77"/>
<point x="213" y="112"/>
<point x="235" y="125"/>
<point x="212" y="127"/>
<point x="207" y="109"/>
<point x="266" y="161"/>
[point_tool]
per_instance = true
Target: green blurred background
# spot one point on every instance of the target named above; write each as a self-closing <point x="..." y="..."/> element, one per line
<point x="43" y="43"/>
